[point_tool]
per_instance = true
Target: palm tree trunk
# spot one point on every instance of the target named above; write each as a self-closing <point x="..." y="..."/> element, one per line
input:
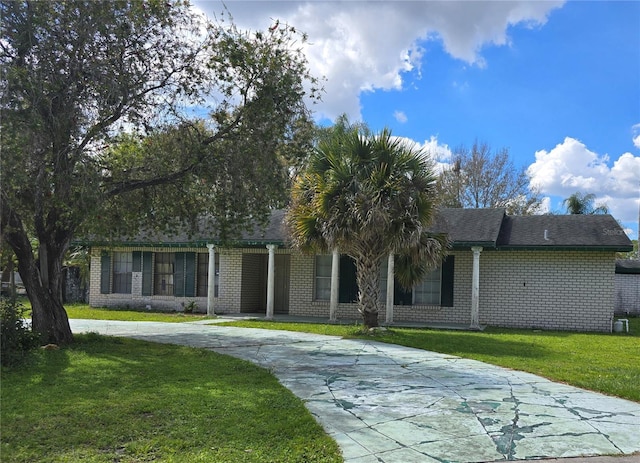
<point x="368" y="278"/>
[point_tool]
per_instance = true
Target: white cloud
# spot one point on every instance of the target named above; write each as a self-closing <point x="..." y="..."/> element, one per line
<point x="400" y="116"/>
<point x="635" y="130"/>
<point x="364" y="46"/>
<point x="545" y="205"/>
<point x="570" y="167"/>
<point x="439" y="152"/>
<point x="567" y="168"/>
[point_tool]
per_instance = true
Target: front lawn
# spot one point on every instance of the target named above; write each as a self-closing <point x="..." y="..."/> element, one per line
<point x="608" y="363"/>
<point x="108" y="400"/>
<point x="91" y="313"/>
<point x="84" y="311"/>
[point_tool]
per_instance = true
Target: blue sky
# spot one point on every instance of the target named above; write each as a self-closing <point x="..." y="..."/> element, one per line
<point x="556" y="83"/>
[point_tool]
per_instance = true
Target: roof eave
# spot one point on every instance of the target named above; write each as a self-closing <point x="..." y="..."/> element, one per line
<point x="547" y="247"/>
<point x="471" y="244"/>
<point x="173" y="244"/>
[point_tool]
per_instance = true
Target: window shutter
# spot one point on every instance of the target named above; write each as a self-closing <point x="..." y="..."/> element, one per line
<point x="147" y="273"/>
<point x="401" y="296"/>
<point x="348" y="285"/>
<point x="446" y="285"/>
<point x="105" y="273"/>
<point x="190" y="274"/>
<point x="136" y="257"/>
<point x="179" y="274"/>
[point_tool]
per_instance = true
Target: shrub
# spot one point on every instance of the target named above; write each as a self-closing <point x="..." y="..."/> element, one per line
<point x="190" y="306"/>
<point x="16" y="338"/>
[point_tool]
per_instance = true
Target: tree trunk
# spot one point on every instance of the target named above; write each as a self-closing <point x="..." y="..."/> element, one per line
<point x="44" y="289"/>
<point x="368" y="278"/>
<point x="49" y="318"/>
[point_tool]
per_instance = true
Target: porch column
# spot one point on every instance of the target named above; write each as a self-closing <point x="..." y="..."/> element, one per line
<point x="333" y="300"/>
<point x="390" y="286"/>
<point x="211" y="281"/>
<point x="271" y="280"/>
<point x="475" y="289"/>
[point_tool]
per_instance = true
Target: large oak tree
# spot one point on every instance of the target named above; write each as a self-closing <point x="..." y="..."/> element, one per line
<point x="97" y="134"/>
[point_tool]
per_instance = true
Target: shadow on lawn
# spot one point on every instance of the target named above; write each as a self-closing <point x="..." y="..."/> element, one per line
<point x="115" y="398"/>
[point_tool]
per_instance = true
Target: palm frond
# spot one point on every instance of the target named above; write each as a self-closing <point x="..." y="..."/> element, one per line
<point x="414" y="263"/>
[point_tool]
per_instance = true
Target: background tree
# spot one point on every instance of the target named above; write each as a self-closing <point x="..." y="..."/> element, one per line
<point x="635" y="254"/>
<point x="77" y="74"/>
<point x="481" y="178"/>
<point x="368" y="196"/>
<point x="583" y="203"/>
<point x="7" y="269"/>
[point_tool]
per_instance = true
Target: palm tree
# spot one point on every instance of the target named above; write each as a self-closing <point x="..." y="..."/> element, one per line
<point x="368" y="196"/>
<point x="581" y="203"/>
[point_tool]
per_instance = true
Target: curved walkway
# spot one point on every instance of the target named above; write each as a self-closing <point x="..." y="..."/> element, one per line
<point x="387" y="403"/>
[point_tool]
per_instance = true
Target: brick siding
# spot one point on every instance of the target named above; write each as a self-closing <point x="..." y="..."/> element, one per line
<point x="136" y="300"/>
<point x="627" y="299"/>
<point x="519" y="289"/>
<point x="565" y="290"/>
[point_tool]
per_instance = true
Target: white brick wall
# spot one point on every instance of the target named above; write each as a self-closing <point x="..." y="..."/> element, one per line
<point x="230" y="281"/>
<point x="523" y="289"/>
<point x="547" y="289"/>
<point x="627" y="299"/>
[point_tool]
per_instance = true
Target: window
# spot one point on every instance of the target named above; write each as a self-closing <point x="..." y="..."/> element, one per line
<point x="347" y="285"/>
<point x="435" y="289"/>
<point x="427" y="292"/>
<point x="122" y="267"/>
<point x="401" y="296"/>
<point x="323" y="278"/>
<point x="203" y="274"/>
<point x="163" y="274"/>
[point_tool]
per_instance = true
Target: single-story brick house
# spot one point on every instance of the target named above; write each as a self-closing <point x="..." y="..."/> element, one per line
<point x="546" y="272"/>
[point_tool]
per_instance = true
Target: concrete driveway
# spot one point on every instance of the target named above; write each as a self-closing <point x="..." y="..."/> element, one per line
<point x="387" y="403"/>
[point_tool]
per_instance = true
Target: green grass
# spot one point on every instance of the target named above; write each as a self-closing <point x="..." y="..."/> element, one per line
<point x="121" y="400"/>
<point x="84" y="311"/>
<point x="91" y="313"/>
<point x="608" y="363"/>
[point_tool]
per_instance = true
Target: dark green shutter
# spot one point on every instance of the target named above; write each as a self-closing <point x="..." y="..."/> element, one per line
<point x="147" y="273"/>
<point x="179" y="274"/>
<point x="401" y="296"/>
<point x="190" y="274"/>
<point x="446" y="284"/>
<point x="105" y="273"/>
<point x="136" y="257"/>
<point x="348" y="286"/>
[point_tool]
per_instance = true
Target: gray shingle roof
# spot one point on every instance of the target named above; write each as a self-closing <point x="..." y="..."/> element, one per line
<point x="628" y="266"/>
<point x="470" y="227"/>
<point x="274" y="232"/>
<point x="564" y="231"/>
<point x="489" y="228"/>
